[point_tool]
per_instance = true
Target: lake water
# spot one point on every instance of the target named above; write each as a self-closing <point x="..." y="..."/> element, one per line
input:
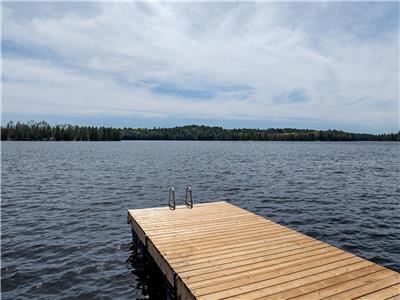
<point x="64" y="204"/>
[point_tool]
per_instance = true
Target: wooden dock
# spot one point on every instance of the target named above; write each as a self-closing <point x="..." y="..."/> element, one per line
<point x="219" y="251"/>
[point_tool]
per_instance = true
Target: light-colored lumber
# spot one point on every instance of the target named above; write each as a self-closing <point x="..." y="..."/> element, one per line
<point x="219" y="251"/>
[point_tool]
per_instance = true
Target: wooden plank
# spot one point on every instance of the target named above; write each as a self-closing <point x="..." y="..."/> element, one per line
<point x="255" y="287"/>
<point x="271" y="259"/>
<point x="162" y="263"/>
<point x="193" y="214"/>
<point x="242" y="253"/>
<point x="268" y="288"/>
<point x="253" y="257"/>
<point x="183" y="291"/>
<point x="224" y="240"/>
<point x="149" y="211"/>
<point x="222" y="224"/>
<point x="219" y="251"/>
<point x="349" y="284"/>
<point x="363" y="290"/>
<point x="235" y="231"/>
<point x="306" y="291"/>
<point x="170" y="215"/>
<point x="229" y="228"/>
<point x="385" y="293"/>
<point x="251" y="269"/>
<point x="227" y="241"/>
<point x="245" y="248"/>
<point x="213" y="229"/>
<point x="139" y="231"/>
<point x="240" y="245"/>
<point x="245" y="279"/>
<point x="157" y="223"/>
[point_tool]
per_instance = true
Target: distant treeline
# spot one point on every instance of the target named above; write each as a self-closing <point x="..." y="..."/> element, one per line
<point x="42" y="131"/>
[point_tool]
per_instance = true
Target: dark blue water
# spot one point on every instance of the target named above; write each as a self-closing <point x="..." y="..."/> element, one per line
<point x="64" y="204"/>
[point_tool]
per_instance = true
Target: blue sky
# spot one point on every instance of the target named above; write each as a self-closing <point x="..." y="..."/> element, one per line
<point x="307" y="65"/>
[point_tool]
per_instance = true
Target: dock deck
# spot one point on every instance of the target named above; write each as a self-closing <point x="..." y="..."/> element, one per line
<point x="219" y="251"/>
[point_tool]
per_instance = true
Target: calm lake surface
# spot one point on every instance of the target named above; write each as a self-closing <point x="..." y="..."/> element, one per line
<point x="64" y="204"/>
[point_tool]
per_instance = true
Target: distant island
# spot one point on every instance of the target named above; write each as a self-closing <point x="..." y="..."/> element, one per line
<point x="43" y="131"/>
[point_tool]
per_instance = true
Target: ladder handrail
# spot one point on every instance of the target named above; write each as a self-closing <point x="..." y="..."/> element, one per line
<point x="189" y="197"/>
<point x="172" y="204"/>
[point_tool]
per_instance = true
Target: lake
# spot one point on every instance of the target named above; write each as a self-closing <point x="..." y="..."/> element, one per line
<point x="64" y="204"/>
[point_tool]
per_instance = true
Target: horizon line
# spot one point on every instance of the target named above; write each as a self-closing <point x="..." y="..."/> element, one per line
<point x="54" y="124"/>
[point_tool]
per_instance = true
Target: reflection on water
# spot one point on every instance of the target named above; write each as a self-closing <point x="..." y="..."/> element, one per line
<point x="148" y="278"/>
<point x="64" y="204"/>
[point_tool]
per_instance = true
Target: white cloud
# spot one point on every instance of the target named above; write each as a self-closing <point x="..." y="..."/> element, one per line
<point x="248" y="55"/>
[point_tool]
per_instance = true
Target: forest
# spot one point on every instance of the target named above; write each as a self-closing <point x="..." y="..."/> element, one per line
<point x="43" y="131"/>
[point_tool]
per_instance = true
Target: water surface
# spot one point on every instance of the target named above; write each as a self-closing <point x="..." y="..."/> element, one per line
<point x="64" y="204"/>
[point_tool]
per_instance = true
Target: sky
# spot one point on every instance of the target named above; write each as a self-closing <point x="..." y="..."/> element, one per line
<point x="313" y="65"/>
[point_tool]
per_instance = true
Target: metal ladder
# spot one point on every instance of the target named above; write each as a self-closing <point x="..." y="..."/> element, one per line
<point x="188" y="198"/>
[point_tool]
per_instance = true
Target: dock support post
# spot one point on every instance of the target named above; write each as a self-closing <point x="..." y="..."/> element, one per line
<point x="168" y="292"/>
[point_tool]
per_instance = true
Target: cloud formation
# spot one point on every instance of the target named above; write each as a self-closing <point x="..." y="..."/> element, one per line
<point x="325" y="64"/>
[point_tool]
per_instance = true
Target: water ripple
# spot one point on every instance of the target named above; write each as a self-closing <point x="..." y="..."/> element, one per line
<point x="64" y="231"/>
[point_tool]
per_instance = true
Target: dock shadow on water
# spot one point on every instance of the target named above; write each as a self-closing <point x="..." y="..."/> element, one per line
<point x="149" y="279"/>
